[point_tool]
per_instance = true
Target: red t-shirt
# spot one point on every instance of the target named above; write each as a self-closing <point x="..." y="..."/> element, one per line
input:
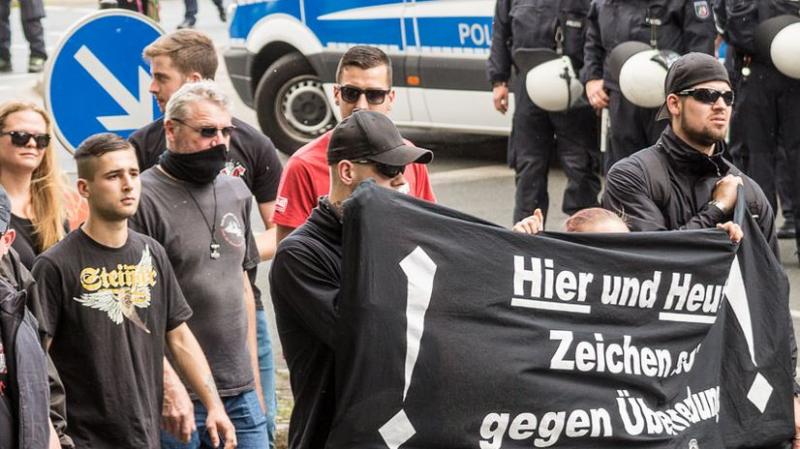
<point x="306" y="177"/>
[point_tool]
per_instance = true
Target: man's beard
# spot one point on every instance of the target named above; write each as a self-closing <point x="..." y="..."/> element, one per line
<point x="704" y="136"/>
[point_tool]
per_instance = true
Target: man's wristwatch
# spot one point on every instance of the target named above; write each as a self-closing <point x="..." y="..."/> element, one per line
<point x="718" y="204"/>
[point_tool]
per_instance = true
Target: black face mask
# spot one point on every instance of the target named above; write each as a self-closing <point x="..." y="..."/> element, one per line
<point x="198" y="168"/>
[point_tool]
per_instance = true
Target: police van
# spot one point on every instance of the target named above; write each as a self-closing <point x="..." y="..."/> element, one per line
<point x="283" y="54"/>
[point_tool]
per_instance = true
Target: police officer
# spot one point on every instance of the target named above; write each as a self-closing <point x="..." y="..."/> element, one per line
<point x="31" y="13"/>
<point x="679" y="25"/>
<point x="537" y="134"/>
<point x="766" y="114"/>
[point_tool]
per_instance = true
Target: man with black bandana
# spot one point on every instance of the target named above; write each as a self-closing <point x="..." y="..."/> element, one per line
<point x="306" y="275"/>
<point x="683" y="181"/>
<point x="203" y="221"/>
<point x="188" y="56"/>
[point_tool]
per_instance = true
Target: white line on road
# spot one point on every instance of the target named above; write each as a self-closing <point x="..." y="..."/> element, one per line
<point x="471" y="174"/>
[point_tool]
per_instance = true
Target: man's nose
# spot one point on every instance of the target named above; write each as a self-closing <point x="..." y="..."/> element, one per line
<point x="362" y="101"/>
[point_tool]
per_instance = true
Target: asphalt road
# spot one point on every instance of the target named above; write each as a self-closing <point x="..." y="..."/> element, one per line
<point x="468" y="174"/>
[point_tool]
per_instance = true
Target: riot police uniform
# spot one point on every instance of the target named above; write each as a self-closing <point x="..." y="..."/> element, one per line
<point x="538" y="135"/>
<point x="32" y="12"/>
<point x="766" y="113"/>
<point x="679" y="25"/>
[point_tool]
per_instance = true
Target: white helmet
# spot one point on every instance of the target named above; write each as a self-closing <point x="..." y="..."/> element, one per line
<point x="641" y="71"/>
<point x="551" y="81"/>
<point x="778" y="39"/>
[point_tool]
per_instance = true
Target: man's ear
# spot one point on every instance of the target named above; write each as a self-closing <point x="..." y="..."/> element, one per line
<point x="83" y="187"/>
<point x="194" y="77"/>
<point x="9" y="237"/>
<point x="169" y="130"/>
<point x="674" y="104"/>
<point x="344" y="169"/>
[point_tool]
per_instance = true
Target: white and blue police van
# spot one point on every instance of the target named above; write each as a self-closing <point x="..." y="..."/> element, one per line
<point x="283" y="54"/>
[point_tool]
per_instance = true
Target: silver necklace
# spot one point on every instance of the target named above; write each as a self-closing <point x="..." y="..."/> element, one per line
<point x="212" y="227"/>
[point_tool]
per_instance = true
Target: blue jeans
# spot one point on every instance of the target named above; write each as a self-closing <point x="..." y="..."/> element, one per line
<point x="267" y="366"/>
<point x="244" y="411"/>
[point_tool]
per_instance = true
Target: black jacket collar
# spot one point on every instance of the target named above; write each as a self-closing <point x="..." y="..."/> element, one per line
<point x="688" y="160"/>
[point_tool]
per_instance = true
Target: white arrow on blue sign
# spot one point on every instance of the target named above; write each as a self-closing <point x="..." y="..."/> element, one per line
<point x="97" y="80"/>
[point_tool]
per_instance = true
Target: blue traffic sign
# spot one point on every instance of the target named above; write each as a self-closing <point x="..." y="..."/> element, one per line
<point x="97" y="80"/>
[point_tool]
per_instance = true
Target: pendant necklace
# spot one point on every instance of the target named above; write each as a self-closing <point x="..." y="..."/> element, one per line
<point x="212" y="227"/>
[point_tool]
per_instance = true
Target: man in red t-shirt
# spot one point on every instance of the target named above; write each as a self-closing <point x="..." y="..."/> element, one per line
<point x="364" y="81"/>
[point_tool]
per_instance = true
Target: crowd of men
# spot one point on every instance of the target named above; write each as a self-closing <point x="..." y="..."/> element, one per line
<point x="159" y="281"/>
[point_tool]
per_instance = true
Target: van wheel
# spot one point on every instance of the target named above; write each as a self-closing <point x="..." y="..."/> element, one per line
<point x="291" y="106"/>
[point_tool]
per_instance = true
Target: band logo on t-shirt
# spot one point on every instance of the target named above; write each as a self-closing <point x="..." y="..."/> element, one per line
<point x="233" y="168"/>
<point x="232" y="230"/>
<point x="120" y="291"/>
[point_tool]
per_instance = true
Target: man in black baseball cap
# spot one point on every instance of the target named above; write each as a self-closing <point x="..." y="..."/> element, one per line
<point x="306" y="272"/>
<point x="371" y="136"/>
<point x="683" y="181"/>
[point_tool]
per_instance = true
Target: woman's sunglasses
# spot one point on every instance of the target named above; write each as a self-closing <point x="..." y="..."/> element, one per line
<point x="390" y="171"/>
<point x="351" y="94"/>
<point x="21" y="138"/>
<point x="708" y="96"/>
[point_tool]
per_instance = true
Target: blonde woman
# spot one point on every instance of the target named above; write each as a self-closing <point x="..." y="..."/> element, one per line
<point x="32" y="179"/>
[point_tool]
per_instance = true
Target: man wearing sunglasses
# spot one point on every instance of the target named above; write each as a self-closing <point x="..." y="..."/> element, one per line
<point x="203" y="221"/>
<point x="683" y="181"/>
<point x="188" y="56"/>
<point x="364" y="82"/>
<point x="306" y="274"/>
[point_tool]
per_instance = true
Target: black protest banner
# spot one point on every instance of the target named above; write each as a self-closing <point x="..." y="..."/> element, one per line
<point x="455" y="333"/>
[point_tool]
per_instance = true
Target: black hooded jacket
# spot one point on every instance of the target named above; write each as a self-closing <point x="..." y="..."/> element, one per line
<point x="669" y="185"/>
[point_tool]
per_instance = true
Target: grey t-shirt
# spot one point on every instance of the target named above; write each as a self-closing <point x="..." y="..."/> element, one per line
<point x="169" y="213"/>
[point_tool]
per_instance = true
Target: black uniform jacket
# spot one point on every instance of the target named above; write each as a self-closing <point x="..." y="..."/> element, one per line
<point x="535" y="24"/>
<point x="669" y="186"/>
<point x="738" y="19"/>
<point x="680" y="25"/>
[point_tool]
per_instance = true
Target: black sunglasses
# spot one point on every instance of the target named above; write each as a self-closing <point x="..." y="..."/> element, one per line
<point x="209" y="131"/>
<point x="708" y="96"/>
<point x="351" y="94"/>
<point x="390" y="171"/>
<point x="21" y="138"/>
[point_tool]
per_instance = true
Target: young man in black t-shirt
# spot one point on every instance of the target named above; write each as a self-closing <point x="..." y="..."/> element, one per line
<point x="111" y="301"/>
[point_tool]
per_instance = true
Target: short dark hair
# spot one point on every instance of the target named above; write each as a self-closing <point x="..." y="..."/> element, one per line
<point x="364" y="57"/>
<point x="189" y="50"/>
<point x="93" y="148"/>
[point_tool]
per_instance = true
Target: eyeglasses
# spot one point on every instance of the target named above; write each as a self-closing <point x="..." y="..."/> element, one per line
<point x="351" y="94"/>
<point x="209" y="131"/>
<point x="21" y="138"/>
<point x="389" y="171"/>
<point x="708" y="96"/>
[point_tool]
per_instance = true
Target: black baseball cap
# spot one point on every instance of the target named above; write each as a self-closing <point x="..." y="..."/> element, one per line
<point x="372" y="135"/>
<point x="690" y="70"/>
<point x="5" y="211"/>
